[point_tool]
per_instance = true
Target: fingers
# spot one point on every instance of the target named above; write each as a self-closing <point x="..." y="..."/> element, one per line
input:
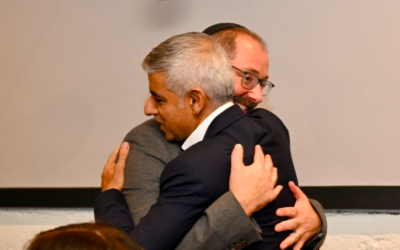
<point x="268" y="161"/>
<point x="287" y="225"/>
<point x="297" y="193"/>
<point x="276" y="191"/>
<point x="258" y="155"/>
<point x="237" y="156"/>
<point x="113" y="173"/>
<point x="304" y="221"/>
<point x="290" y="240"/>
<point x="287" y="212"/>
<point x="120" y="165"/>
<point x="274" y="176"/>
<point x="113" y="156"/>
<point x="299" y="244"/>
<point x="109" y="166"/>
<point x="268" y="164"/>
<point x="123" y="154"/>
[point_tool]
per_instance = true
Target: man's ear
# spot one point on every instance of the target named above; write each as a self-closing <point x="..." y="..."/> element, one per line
<point x="197" y="100"/>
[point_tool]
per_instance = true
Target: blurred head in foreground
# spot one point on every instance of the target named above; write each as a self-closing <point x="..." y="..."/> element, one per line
<point x="83" y="236"/>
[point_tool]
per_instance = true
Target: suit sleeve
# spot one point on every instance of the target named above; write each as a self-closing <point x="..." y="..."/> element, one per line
<point x="214" y="230"/>
<point x="317" y="242"/>
<point x="110" y="208"/>
<point x="223" y="226"/>
<point x="182" y="200"/>
<point x="144" y="165"/>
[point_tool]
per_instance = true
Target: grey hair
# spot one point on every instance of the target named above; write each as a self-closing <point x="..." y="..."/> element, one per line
<point x="193" y="60"/>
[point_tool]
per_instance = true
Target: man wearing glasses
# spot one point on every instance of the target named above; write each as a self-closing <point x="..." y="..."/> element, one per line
<point x="250" y="81"/>
<point x="150" y="152"/>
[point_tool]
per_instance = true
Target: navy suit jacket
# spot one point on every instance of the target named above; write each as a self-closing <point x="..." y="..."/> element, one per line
<point x="198" y="176"/>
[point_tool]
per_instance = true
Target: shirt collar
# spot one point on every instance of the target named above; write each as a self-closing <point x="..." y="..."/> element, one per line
<point x="198" y="134"/>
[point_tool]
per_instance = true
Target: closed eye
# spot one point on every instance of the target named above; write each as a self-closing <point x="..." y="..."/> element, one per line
<point x="263" y="83"/>
<point x="158" y="98"/>
<point x="159" y="101"/>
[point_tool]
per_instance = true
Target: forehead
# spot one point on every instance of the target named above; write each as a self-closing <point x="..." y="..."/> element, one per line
<point x="157" y="83"/>
<point x="159" y="90"/>
<point x="250" y="56"/>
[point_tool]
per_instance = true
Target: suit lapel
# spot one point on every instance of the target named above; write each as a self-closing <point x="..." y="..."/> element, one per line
<point x="226" y="118"/>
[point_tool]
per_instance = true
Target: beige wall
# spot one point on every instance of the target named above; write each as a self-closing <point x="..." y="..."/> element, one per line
<point x="71" y="85"/>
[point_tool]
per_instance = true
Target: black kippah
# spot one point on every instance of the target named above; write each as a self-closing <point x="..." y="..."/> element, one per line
<point x="220" y="26"/>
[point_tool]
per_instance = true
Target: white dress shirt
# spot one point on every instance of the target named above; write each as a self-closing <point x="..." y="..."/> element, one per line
<point x="199" y="133"/>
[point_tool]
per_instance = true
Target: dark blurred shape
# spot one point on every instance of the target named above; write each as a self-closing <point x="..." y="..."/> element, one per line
<point x="83" y="236"/>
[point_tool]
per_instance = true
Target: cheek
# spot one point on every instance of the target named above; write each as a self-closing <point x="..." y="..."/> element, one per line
<point x="239" y="90"/>
<point x="180" y="123"/>
<point x="170" y="118"/>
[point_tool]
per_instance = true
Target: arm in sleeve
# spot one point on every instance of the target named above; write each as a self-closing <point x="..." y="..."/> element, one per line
<point x="223" y="225"/>
<point x="184" y="196"/>
<point x="148" y="154"/>
<point x="110" y="208"/>
<point x="318" y="240"/>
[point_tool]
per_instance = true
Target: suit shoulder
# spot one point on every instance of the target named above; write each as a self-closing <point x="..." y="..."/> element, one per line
<point x="147" y="128"/>
<point x="148" y="132"/>
<point x="149" y="138"/>
<point x="260" y="112"/>
<point x="266" y="117"/>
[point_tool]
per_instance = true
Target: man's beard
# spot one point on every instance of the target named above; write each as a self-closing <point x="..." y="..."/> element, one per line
<point x="244" y="103"/>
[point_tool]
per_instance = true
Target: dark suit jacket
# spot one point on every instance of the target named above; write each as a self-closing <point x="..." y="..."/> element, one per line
<point x="199" y="175"/>
<point x="149" y="153"/>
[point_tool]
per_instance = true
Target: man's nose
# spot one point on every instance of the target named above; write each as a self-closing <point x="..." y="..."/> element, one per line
<point x="149" y="107"/>
<point x="256" y="93"/>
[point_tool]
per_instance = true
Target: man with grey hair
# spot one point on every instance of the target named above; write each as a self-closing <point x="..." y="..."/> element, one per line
<point x="147" y="158"/>
<point x="192" y="64"/>
<point x="211" y="126"/>
<point x="150" y="152"/>
<point x="189" y="61"/>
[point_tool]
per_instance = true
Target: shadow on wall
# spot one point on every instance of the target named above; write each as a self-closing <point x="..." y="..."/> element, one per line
<point x="160" y="14"/>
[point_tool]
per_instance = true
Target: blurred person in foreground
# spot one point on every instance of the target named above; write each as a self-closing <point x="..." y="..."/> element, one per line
<point x="83" y="236"/>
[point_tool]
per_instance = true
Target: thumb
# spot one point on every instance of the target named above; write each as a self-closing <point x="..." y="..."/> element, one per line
<point x="123" y="152"/>
<point x="111" y="161"/>
<point x="237" y="157"/>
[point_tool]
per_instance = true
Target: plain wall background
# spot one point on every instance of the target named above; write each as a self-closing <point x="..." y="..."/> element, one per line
<point x="71" y="85"/>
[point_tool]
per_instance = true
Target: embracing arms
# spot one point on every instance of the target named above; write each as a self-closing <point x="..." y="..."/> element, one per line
<point x="206" y="227"/>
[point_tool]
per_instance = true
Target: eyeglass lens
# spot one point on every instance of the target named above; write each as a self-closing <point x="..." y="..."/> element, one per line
<point x="249" y="81"/>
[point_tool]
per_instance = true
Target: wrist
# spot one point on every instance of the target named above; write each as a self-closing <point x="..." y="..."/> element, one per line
<point x="246" y="204"/>
<point x="247" y="209"/>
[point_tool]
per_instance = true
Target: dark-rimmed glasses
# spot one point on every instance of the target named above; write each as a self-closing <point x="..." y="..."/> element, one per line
<point x="250" y="80"/>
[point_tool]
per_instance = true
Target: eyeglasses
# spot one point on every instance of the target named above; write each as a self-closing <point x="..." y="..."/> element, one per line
<point x="250" y="80"/>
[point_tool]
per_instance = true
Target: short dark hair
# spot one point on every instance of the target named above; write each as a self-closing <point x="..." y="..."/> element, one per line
<point x="83" y="236"/>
